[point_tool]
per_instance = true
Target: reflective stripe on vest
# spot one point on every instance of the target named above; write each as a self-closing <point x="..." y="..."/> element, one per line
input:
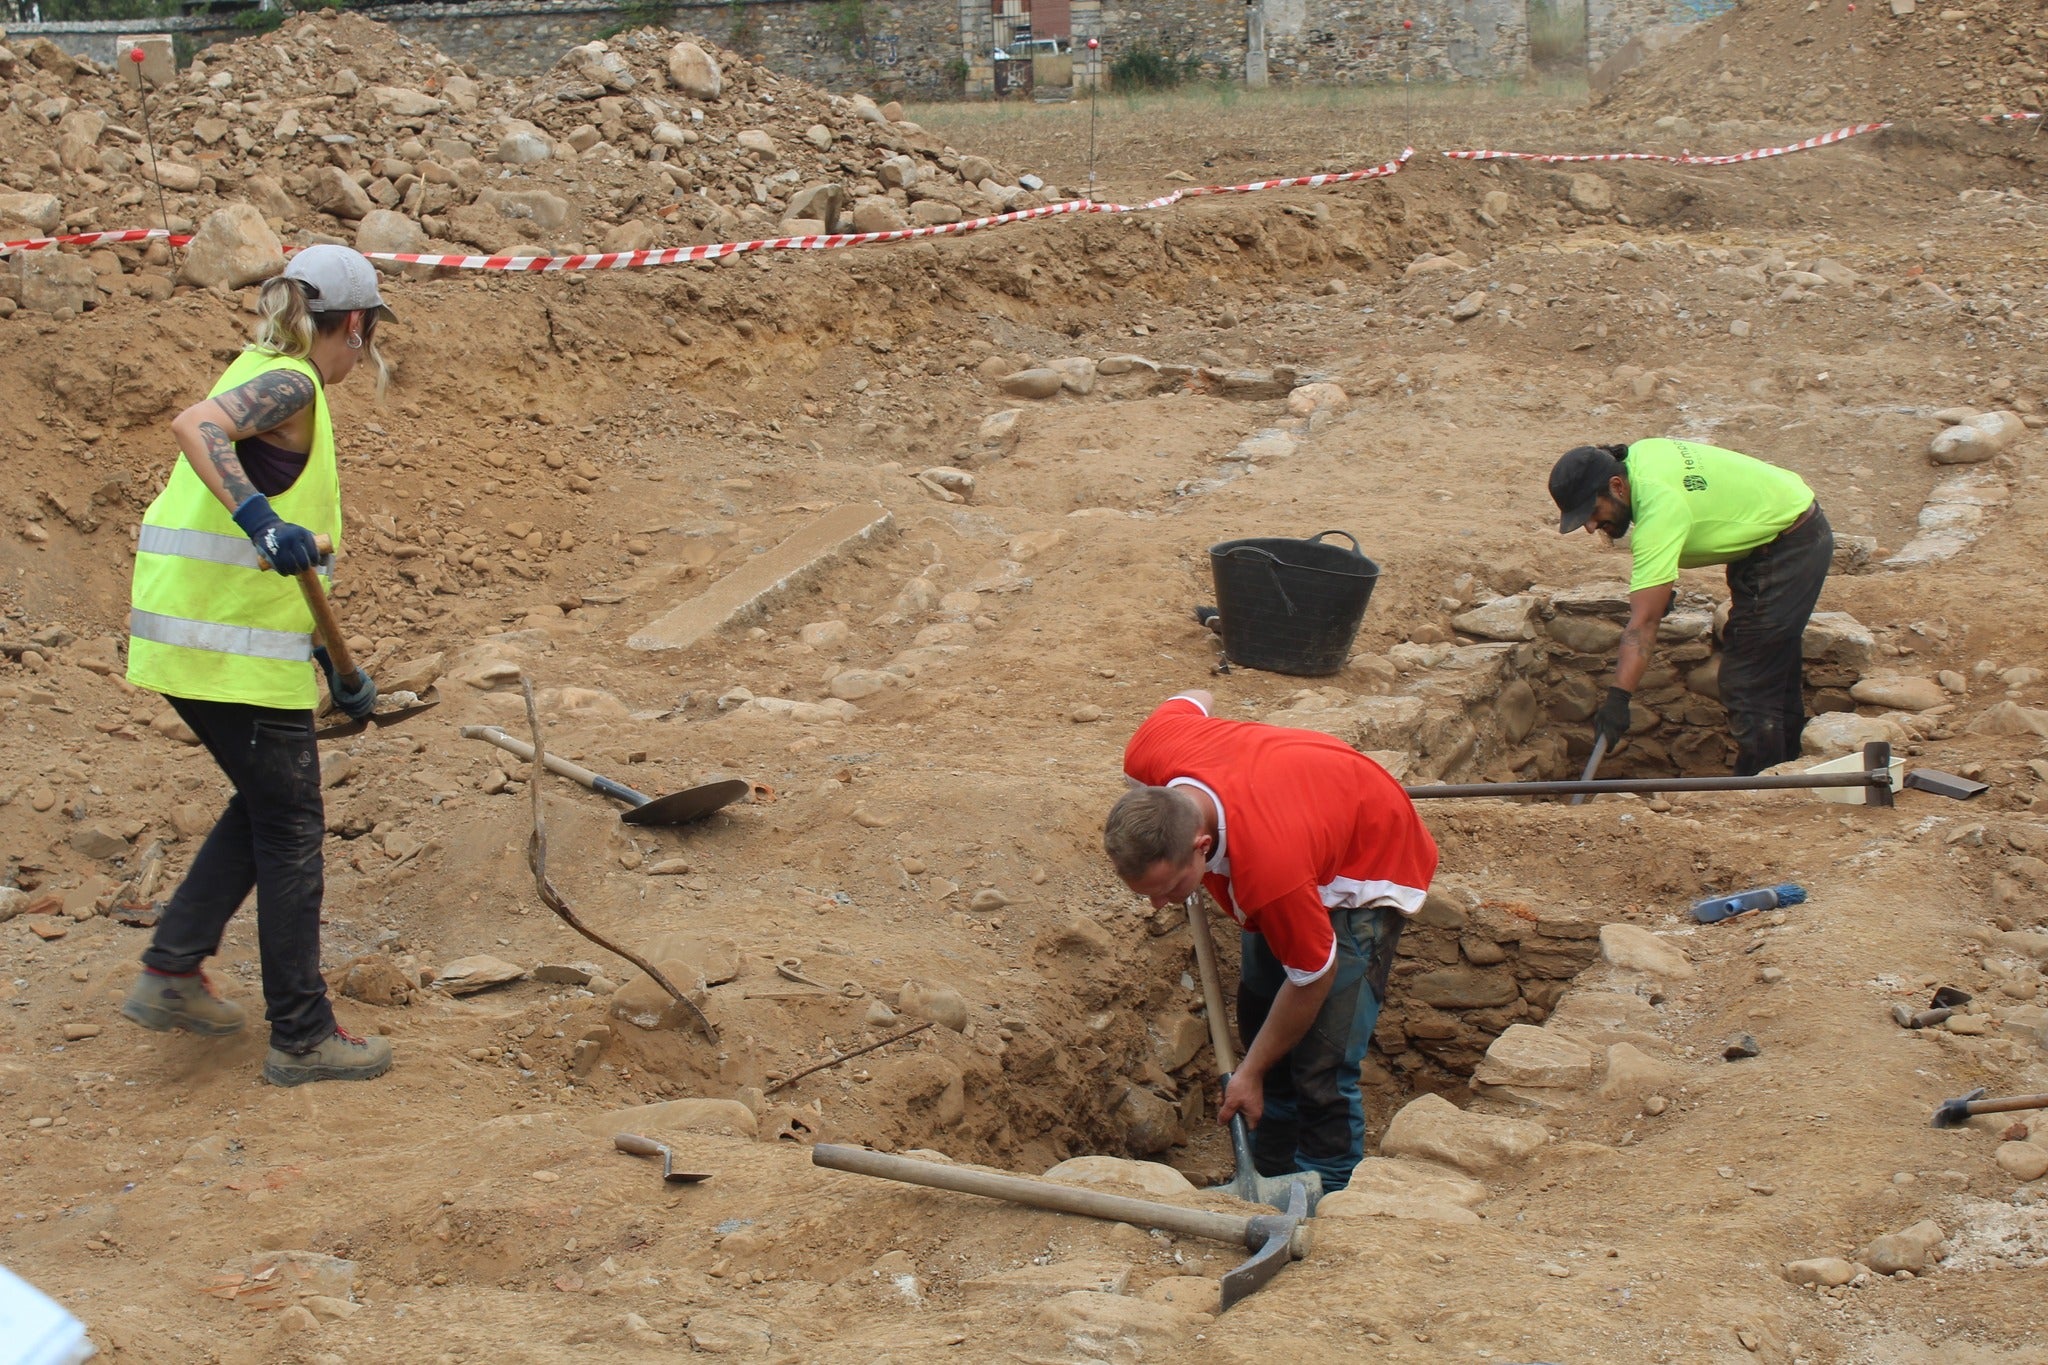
<point x="210" y="547"/>
<point x="214" y="549"/>
<point x="288" y="645"/>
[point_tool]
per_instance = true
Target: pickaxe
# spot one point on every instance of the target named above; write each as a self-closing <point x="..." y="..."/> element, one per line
<point x="1245" y="1182"/>
<point x="1955" y="1113"/>
<point x="1273" y="1238"/>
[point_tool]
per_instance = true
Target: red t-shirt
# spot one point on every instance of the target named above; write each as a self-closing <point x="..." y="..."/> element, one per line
<point x="1307" y="824"/>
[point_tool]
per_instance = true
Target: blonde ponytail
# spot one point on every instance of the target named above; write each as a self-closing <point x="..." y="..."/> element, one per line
<point x="284" y="324"/>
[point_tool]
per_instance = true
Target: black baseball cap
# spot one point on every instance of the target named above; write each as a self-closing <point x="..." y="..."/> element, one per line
<point x="1579" y="476"/>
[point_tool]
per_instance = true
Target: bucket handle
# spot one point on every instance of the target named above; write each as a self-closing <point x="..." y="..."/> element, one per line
<point x="1356" y="548"/>
<point x="1272" y="567"/>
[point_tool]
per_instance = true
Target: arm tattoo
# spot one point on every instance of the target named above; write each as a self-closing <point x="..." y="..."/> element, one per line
<point x="267" y="401"/>
<point x="220" y="449"/>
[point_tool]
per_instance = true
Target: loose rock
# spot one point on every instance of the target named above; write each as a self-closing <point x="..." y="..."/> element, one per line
<point x="1637" y="949"/>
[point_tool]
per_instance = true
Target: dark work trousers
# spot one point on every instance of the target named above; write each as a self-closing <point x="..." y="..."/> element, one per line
<point x="1315" y="1117"/>
<point x="269" y="839"/>
<point x="1772" y="591"/>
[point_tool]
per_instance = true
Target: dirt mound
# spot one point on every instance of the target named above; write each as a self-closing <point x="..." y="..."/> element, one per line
<point x="1813" y="64"/>
<point x="334" y="128"/>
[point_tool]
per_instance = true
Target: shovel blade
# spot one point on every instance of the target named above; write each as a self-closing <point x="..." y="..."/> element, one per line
<point x="692" y="803"/>
<point x="343" y="729"/>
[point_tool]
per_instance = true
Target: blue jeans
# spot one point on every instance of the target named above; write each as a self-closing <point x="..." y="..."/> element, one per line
<point x="1315" y="1117"/>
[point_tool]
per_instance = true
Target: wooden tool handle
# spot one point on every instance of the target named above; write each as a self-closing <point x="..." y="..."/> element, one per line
<point x="1038" y="1194"/>
<point x="637" y="1145"/>
<point x="1212" y="984"/>
<point x="2007" y="1106"/>
<point x="320" y="543"/>
<point x="323" y="612"/>
<point x="330" y="629"/>
<point x="597" y="782"/>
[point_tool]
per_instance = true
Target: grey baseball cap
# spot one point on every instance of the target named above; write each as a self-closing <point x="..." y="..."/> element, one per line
<point x="337" y="280"/>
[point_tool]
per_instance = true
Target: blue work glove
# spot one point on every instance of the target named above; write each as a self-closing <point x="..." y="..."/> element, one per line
<point x="1611" y="721"/>
<point x="290" y="549"/>
<point x="357" y="703"/>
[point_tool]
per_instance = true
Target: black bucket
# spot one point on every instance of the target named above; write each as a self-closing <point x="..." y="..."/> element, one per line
<point x="1291" y="606"/>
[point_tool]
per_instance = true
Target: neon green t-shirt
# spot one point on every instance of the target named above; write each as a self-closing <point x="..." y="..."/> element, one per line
<point x="1696" y="504"/>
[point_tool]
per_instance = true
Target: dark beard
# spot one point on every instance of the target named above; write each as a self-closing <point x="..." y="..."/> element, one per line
<point x="1618" y="527"/>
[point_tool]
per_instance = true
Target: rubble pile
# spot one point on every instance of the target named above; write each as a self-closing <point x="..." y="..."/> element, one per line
<point x="333" y="128"/>
<point x="1815" y="62"/>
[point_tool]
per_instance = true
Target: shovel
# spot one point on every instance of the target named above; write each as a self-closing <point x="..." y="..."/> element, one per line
<point x="1247" y="1184"/>
<point x="344" y="662"/>
<point x="677" y="808"/>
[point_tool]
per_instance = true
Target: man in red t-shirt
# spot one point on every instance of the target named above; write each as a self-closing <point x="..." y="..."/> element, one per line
<point x="1317" y="853"/>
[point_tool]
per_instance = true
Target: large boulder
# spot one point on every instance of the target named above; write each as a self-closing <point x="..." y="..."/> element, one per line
<point x="269" y="197"/>
<point x="1589" y="194"/>
<point x="233" y="247"/>
<point x="898" y="172"/>
<point x="1845" y="732"/>
<point x="1634" y="948"/>
<point x="523" y="148"/>
<point x="597" y="63"/>
<point x="1431" y="1128"/>
<point x="1978" y="439"/>
<point x="1504" y="618"/>
<point x="406" y="103"/>
<point x="546" y="212"/>
<point x="38" y="213"/>
<point x="1151" y="1178"/>
<point x="331" y="190"/>
<point x="693" y="71"/>
<point x="51" y="281"/>
<point x="823" y="202"/>
<point x="1528" y="1056"/>
<point x="635" y="234"/>
<point x="384" y="230"/>
<point x="175" y="176"/>
<point x="878" y="213"/>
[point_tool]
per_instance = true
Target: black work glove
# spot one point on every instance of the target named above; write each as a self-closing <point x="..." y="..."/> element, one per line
<point x="288" y="547"/>
<point x="1610" y="722"/>
<point x="357" y="702"/>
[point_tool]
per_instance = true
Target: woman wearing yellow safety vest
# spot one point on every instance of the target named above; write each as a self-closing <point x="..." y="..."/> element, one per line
<point x="230" y="645"/>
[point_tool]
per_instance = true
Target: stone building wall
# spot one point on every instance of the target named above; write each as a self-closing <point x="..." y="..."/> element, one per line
<point x="931" y="48"/>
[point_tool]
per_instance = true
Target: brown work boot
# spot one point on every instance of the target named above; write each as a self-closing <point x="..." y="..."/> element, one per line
<point x="343" y="1057"/>
<point x="164" y="1002"/>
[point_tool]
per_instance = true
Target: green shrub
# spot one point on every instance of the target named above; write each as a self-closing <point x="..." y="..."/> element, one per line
<point x="1147" y="68"/>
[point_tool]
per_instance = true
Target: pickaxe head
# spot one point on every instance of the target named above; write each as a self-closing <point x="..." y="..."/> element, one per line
<point x="1955" y="1113"/>
<point x="1275" y="1239"/>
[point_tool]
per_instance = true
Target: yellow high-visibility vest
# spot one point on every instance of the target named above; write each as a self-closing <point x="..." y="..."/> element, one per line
<point x="205" y="623"/>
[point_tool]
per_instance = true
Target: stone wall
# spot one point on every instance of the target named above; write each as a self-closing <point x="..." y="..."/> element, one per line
<point x="1466" y="970"/>
<point x="931" y="48"/>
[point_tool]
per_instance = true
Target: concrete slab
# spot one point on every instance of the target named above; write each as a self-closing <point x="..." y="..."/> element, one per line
<point x="750" y="587"/>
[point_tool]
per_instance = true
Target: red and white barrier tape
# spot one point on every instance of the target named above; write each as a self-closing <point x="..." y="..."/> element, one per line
<point x="631" y="260"/>
<point x="1683" y="159"/>
<point x="94" y="239"/>
<point x="2009" y="118"/>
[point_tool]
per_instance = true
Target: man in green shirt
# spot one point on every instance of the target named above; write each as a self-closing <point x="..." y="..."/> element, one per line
<point x="1689" y="505"/>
